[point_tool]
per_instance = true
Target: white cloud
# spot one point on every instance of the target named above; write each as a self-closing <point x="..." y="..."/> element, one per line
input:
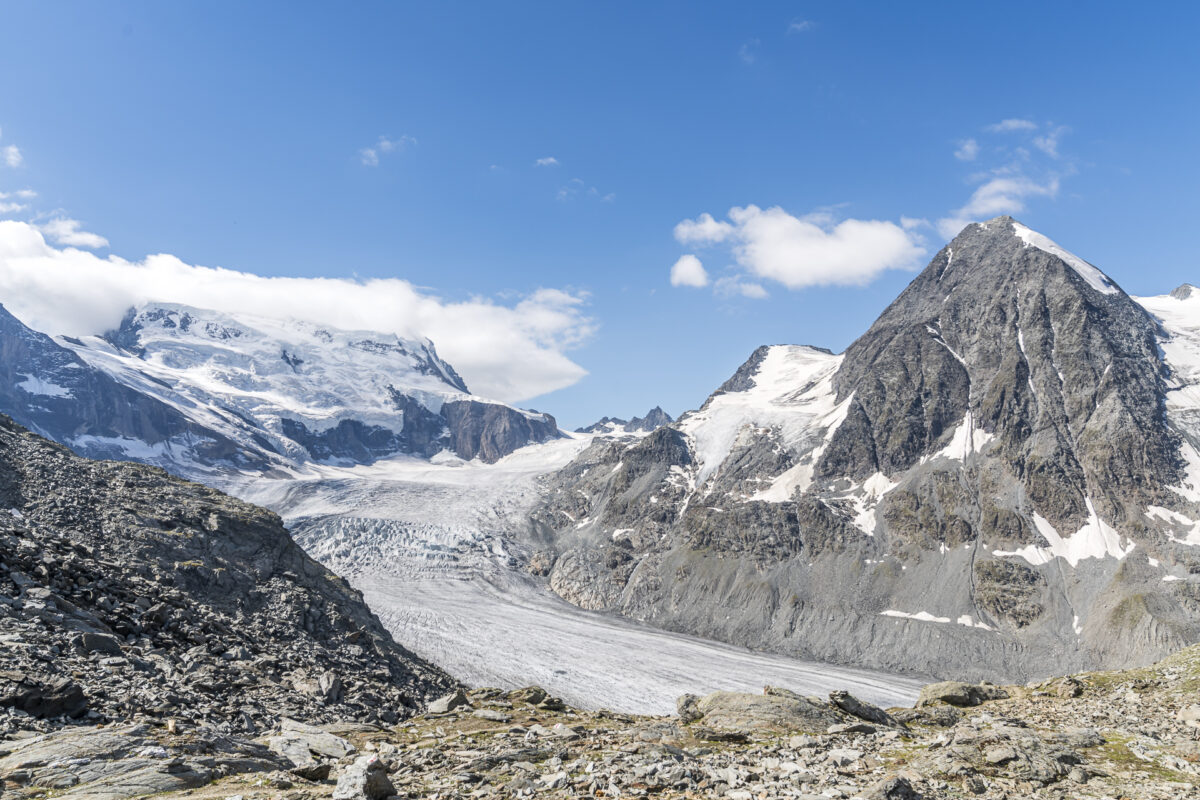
<point x="702" y="230"/>
<point x="7" y="206"/>
<point x="12" y="156"/>
<point x="999" y="195"/>
<point x="578" y="186"/>
<point x="800" y="25"/>
<point x="814" y="250"/>
<point x="731" y="286"/>
<point x="548" y="161"/>
<point x="747" y="51"/>
<point x="1048" y="144"/>
<point x="688" y="271"/>
<point x="510" y="352"/>
<point x="967" y="150"/>
<point x="1009" y="125"/>
<point x="370" y="155"/>
<point x="66" y="232"/>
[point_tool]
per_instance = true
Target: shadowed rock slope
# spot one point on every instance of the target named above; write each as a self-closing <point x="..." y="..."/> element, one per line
<point x="998" y="480"/>
<point x="126" y="593"/>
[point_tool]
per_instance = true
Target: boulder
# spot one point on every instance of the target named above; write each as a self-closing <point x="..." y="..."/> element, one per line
<point x="957" y="693"/>
<point x="863" y="710"/>
<point x="770" y="712"/>
<point x="365" y="779"/>
<point x="892" y="788"/>
<point x="305" y="745"/>
<point x="57" y="697"/>
<point x="448" y="703"/>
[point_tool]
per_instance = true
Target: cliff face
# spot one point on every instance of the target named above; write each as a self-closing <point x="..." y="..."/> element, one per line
<point x="999" y="479"/>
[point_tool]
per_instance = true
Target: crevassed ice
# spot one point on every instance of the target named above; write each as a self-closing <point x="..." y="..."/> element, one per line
<point x="1094" y="277"/>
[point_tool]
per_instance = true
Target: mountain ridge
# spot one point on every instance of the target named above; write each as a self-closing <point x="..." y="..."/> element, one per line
<point x="909" y="500"/>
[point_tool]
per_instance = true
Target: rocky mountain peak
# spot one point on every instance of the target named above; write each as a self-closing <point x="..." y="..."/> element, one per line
<point x="1184" y="291"/>
<point x="1016" y="338"/>
<point x="655" y="418"/>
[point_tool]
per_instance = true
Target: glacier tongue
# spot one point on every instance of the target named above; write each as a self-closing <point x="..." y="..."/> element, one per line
<point x="428" y="545"/>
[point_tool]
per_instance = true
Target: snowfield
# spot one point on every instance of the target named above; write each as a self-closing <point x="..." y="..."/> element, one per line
<point x="429" y="546"/>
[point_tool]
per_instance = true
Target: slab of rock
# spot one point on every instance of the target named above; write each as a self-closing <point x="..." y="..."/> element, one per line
<point x="861" y="709"/>
<point x="304" y="745"/>
<point x="773" y="712"/>
<point x="957" y="693"/>
<point x="448" y="703"/>
<point x="365" y="779"/>
<point x="892" y="788"/>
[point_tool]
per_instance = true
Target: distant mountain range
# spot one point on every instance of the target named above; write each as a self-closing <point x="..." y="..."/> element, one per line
<point x="655" y="418"/>
<point x="202" y="392"/>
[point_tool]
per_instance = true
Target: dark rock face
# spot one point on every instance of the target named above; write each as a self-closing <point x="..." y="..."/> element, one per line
<point x="167" y="599"/>
<point x="49" y="389"/>
<point x="989" y="484"/>
<point x="1066" y="378"/>
<point x="491" y="431"/>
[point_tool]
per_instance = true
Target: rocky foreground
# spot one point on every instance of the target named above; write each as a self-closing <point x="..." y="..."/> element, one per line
<point x="1130" y="734"/>
<point x="126" y="594"/>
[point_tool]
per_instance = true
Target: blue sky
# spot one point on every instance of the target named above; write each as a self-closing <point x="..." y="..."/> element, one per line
<point x="233" y="135"/>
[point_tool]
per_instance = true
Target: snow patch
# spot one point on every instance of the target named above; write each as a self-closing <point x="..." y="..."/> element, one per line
<point x="924" y="616"/>
<point x="35" y="385"/>
<point x="1094" y="277"/>
<point x="1191" y="534"/>
<point x="1096" y="539"/>
<point x="793" y="395"/>
<point x="965" y="441"/>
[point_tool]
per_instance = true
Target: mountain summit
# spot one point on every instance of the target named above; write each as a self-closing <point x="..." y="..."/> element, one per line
<point x="999" y="478"/>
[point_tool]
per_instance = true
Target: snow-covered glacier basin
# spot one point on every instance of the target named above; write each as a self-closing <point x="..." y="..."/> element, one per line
<point x="428" y="546"/>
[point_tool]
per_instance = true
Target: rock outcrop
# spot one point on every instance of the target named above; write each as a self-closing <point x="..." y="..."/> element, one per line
<point x="126" y="593"/>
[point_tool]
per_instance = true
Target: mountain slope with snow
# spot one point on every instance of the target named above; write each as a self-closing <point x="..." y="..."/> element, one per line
<point x="292" y="393"/>
<point x="999" y="478"/>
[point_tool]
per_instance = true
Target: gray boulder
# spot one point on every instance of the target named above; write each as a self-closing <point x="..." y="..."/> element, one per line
<point x="365" y="779"/>
<point x="774" y="712"/>
<point x="450" y="702"/>
<point x="957" y="693"/>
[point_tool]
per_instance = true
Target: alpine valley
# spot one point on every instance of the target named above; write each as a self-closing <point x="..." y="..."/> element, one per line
<point x="999" y="480"/>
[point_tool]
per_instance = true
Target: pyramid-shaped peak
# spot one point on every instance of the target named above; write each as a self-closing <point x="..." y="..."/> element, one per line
<point x="1005" y="226"/>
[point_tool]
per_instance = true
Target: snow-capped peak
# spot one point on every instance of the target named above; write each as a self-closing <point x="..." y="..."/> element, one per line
<point x="1094" y="277"/>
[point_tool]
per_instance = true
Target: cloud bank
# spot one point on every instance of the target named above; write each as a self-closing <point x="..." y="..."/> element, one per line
<point x="508" y="352"/>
